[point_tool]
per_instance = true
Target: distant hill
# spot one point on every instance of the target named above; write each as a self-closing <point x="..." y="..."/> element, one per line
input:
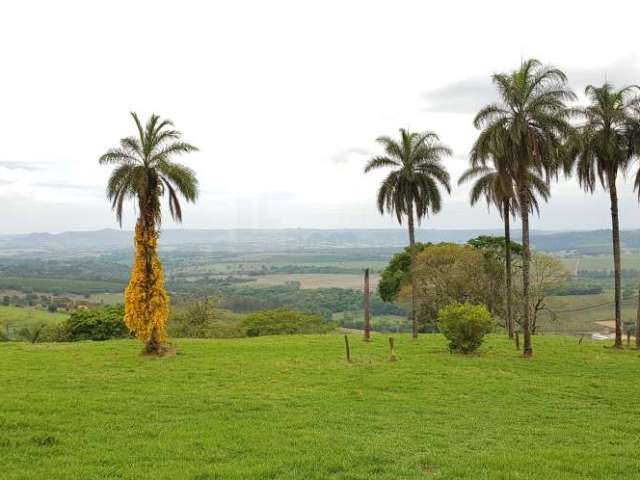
<point x="587" y="242"/>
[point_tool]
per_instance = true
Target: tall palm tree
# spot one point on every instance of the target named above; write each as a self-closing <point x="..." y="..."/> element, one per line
<point x="411" y="189"/>
<point x="145" y="172"/>
<point x="531" y="122"/>
<point x="494" y="183"/>
<point x="602" y="148"/>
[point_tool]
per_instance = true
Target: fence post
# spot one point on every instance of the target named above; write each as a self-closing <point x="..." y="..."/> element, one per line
<point x="367" y="317"/>
<point x="392" y="350"/>
<point x="346" y="344"/>
<point x="517" y="340"/>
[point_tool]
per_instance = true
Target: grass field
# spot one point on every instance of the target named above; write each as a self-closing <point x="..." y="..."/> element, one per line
<point x="291" y="408"/>
<point x="13" y="318"/>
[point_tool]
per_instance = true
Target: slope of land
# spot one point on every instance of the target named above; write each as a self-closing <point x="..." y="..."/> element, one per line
<point x="291" y="408"/>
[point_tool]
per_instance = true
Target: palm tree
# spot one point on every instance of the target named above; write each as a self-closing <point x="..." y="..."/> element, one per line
<point x="145" y="172"/>
<point x="411" y="189"/>
<point x="530" y="122"/>
<point x="495" y="184"/>
<point x="602" y="148"/>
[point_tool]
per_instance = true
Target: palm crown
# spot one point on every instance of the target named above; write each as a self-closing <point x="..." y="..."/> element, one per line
<point x="530" y="121"/>
<point x="604" y="143"/>
<point x="416" y="160"/>
<point x="491" y="185"/>
<point x="145" y="170"/>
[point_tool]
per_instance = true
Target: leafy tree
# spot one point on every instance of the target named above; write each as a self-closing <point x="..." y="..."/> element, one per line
<point x="145" y="172"/>
<point x="528" y="126"/>
<point x="396" y="273"/>
<point x="452" y="273"/>
<point x="411" y="189"/>
<point x="602" y="148"/>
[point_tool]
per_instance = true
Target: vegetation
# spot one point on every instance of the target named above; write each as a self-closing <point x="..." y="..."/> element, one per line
<point x="451" y="273"/>
<point x="283" y="322"/>
<point x="204" y="319"/>
<point x="465" y="326"/>
<point x="97" y="324"/>
<point x="411" y="189"/>
<point x="397" y="273"/>
<point x="145" y="172"/>
<point x="289" y="407"/>
<point x="527" y="128"/>
<point x="603" y="147"/>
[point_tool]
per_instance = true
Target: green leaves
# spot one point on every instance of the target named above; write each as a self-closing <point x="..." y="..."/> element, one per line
<point x="145" y="170"/>
<point x="417" y="176"/>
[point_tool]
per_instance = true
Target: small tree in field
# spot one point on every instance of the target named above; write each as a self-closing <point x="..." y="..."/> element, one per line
<point x="465" y="326"/>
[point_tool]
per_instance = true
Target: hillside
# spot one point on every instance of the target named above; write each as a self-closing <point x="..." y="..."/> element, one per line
<point x="291" y="408"/>
<point x="251" y="240"/>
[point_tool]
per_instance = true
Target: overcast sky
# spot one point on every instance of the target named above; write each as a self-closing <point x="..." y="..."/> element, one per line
<point x="284" y="100"/>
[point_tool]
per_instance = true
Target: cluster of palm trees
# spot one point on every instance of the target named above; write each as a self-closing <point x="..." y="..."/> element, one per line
<point x="528" y="137"/>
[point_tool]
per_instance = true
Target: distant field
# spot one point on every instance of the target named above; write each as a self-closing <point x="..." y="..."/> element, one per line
<point x="290" y="408"/>
<point x="602" y="262"/>
<point x="319" y="280"/>
<point x="13" y="318"/>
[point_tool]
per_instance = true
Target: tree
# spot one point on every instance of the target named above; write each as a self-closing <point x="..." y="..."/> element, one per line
<point x="396" y="273"/>
<point x="411" y="189"/>
<point x="603" y="147"/>
<point x="451" y="273"/>
<point x="146" y="172"/>
<point x="494" y="183"/>
<point x="547" y="274"/>
<point x="528" y="126"/>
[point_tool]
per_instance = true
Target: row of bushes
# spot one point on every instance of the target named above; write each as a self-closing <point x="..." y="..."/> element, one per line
<point x="464" y="325"/>
<point x="201" y="319"/>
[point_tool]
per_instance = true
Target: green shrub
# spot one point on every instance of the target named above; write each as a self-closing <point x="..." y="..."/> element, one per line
<point x="284" y="322"/>
<point x="101" y="323"/>
<point x="202" y="319"/>
<point x="464" y="325"/>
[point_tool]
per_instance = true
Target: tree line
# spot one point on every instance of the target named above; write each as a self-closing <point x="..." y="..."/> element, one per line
<point x="533" y="133"/>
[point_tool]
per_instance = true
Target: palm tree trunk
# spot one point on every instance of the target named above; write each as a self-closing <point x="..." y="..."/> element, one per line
<point x="367" y="318"/>
<point x="153" y="344"/>
<point x="638" y="323"/>
<point x="414" y="286"/>
<point x="526" y="258"/>
<point x="617" y="269"/>
<point x="507" y="252"/>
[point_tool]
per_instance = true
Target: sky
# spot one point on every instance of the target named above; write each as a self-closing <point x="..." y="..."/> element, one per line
<point x="283" y="99"/>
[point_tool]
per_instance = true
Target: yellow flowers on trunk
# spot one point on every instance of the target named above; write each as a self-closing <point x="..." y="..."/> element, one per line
<point x="146" y="301"/>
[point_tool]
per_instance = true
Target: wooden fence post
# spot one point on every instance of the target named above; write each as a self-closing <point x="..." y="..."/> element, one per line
<point x="367" y="318"/>
<point x="346" y="344"/>
<point x="392" y="350"/>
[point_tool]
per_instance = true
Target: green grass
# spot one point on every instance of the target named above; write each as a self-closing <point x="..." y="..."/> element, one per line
<point x="291" y="408"/>
<point x="15" y="318"/>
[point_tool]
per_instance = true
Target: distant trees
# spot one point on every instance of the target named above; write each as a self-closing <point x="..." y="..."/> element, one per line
<point x="527" y="127"/>
<point x="396" y="273"/>
<point x="412" y="188"/>
<point x="603" y="146"/>
<point x="145" y="171"/>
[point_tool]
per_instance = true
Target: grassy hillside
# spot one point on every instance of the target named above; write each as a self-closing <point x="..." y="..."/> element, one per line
<point x="18" y="317"/>
<point x="291" y="408"/>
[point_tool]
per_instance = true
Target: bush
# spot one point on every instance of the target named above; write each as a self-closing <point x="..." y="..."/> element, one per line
<point x="465" y="325"/>
<point x="284" y="322"/>
<point x="202" y="319"/>
<point x="101" y="323"/>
